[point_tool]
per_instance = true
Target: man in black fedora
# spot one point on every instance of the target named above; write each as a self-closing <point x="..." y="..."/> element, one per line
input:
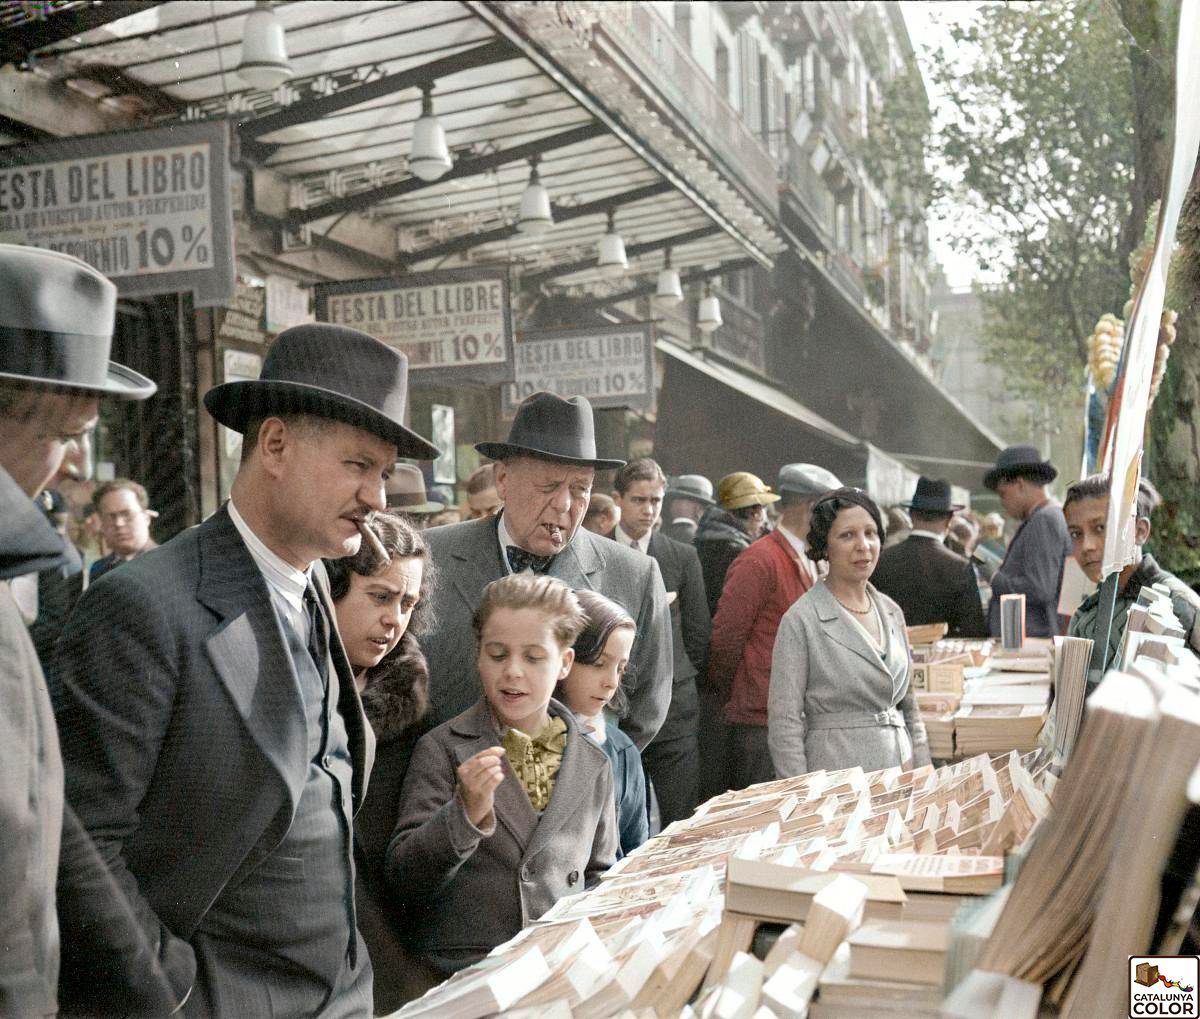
<point x="56" y="324"/>
<point x="544" y="475"/>
<point x="929" y="582"/>
<point x="1033" y="562"/>
<point x="215" y="744"/>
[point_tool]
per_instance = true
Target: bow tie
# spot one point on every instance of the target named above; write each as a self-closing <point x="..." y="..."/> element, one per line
<point x="519" y="560"/>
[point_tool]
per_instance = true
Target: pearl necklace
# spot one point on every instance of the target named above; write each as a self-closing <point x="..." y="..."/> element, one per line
<point x="850" y="608"/>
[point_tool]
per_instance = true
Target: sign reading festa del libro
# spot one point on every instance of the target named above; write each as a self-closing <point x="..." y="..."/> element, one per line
<point x="613" y="366"/>
<point x="453" y="325"/>
<point x="149" y="209"/>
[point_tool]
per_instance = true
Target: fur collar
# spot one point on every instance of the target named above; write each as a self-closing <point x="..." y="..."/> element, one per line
<point x="397" y="693"/>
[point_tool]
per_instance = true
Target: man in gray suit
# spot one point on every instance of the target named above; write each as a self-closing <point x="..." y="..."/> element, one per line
<point x="56" y="324"/>
<point x="544" y="475"/>
<point x="214" y="741"/>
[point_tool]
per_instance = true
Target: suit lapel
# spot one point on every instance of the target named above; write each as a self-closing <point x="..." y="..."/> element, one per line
<point x="576" y="564"/>
<point x="474" y="560"/>
<point x="840" y="629"/>
<point x="248" y="651"/>
<point x="476" y="730"/>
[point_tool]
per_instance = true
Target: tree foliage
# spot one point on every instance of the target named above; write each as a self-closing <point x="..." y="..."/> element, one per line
<point x="1040" y="144"/>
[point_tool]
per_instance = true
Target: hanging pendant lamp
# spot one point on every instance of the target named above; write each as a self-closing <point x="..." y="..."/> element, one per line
<point x="430" y="156"/>
<point x="264" y="62"/>
<point x="708" y="315"/>
<point x="612" y="261"/>
<point x="535" y="216"/>
<point x="670" y="291"/>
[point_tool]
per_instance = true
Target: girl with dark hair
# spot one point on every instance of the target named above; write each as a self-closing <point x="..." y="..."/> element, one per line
<point x="839" y="693"/>
<point x="601" y="655"/>
<point x="381" y="611"/>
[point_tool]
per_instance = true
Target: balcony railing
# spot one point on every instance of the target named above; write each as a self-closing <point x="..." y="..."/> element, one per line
<point x="652" y="46"/>
<point x="809" y="188"/>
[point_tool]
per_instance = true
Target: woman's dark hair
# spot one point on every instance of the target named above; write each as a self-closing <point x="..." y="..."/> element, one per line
<point x="825" y="511"/>
<point x="1096" y="486"/>
<point x="400" y="540"/>
<point x="602" y="616"/>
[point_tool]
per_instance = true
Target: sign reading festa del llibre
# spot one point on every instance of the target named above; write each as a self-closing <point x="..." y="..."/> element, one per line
<point x="454" y="325"/>
<point x="613" y="366"/>
<point x="149" y="209"/>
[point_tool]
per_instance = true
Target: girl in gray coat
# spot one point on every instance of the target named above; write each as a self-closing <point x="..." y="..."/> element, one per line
<point x="839" y="693"/>
<point x="507" y="807"/>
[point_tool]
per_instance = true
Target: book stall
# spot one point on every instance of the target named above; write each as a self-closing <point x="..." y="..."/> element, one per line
<point x="916" y="893"/>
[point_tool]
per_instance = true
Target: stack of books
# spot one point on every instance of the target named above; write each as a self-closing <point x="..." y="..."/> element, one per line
<point x="1069" y="670"/>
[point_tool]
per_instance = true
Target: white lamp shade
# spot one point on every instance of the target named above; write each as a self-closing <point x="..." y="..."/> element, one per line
<point x="535" y="216"/>
<point x="708" y="316"/>
<point x="669" y="292"/>
<point x="612" y="260"/>
<point x="430" y="156"/>
<point x="264" y="61"/>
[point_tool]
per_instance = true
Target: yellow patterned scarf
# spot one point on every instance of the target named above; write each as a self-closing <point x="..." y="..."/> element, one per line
<point x="536" y="759"/>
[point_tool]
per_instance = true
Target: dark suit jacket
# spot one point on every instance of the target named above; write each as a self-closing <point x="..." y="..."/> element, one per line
<point x="467" y="556"/>
<point x="183" y="731"/>
<point x="691" y="628"/>
<point x="931" y="584"/>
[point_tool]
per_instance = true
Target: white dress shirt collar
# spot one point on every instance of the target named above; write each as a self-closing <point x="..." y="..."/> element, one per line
<point x="795" y="541"/>
<point x="283" y="579"/>
<point x="917" y="533"/>
<point x="642" y="544"/>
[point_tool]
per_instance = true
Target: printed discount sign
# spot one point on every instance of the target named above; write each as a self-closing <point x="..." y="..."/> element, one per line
<point x="149" y="209"/>
<point x="613" y="366"/>
<point x="453" y="326"/>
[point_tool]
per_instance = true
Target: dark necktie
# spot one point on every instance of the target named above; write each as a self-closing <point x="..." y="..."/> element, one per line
<point x="520" y="560"/>
<point x="318" y="644"/>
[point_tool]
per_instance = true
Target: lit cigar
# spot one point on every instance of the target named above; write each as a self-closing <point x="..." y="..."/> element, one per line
<point x="373" y="542"/>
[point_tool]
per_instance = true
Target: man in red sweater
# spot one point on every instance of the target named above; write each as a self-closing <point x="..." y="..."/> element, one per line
<point x="760" y="587"/>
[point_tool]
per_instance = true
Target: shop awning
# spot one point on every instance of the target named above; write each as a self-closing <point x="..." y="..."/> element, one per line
<point x="761" y="392"/>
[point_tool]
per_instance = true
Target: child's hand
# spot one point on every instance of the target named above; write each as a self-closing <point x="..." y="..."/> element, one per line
<point x="477" y="782"/>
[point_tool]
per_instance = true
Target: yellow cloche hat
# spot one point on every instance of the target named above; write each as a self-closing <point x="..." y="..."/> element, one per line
<point x="734" y="491"/>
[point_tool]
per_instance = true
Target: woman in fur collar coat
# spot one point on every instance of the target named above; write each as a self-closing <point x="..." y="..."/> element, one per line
<point x="381" y="610"/>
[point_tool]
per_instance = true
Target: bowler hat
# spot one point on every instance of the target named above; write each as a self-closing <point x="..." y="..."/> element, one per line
<point x="691" y="486"/>
<point x="741" y="489"/>
<point x="553" y="428"/>
<point x="56" y="324"/>
<point x="331" y="372"/>
<point x="406" y="491"/>
<point x="806" y="479"/>
<point x="1020" y="462"/>
<point x="932" y="497"/>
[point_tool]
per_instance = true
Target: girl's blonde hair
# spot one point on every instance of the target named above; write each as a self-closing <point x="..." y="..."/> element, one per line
<point x="542" y="594"/>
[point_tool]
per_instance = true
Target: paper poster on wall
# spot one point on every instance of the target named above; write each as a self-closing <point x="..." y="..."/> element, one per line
<point x="149" y="209"/>
<point x="238" y="366"/>
<point x="454" y="325"/>
<point x="613" y="366"/>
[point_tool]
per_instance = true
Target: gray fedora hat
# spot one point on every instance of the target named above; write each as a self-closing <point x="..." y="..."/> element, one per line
<point x="406" y="491"/>
<point x="550" y="427"/>
<point x="56" y="325"/>
<point x="691" y="486"/>
<point x="332" y="372"/>
<point x="806" y="479"/>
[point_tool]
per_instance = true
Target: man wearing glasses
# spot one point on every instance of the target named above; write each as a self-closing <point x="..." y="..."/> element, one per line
<point x="125" y="517"/>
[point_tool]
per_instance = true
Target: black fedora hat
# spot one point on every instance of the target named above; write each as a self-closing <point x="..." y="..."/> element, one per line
<point x="56" y="325"/>
<point x="1020" y="462"/>
<point x="933" y="498"/>
<point x="327" y="371"/>
<point x="553" y="428"/>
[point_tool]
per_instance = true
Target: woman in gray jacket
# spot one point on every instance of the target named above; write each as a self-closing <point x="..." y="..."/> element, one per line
<point x="839" y="693"/>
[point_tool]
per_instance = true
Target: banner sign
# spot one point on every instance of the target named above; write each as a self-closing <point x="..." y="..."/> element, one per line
<point x="613" y="366"/>
<point x="454" y="325"/>
<point x="149" y="209"/>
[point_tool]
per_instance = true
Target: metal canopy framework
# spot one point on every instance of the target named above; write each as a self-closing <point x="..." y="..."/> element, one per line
<point x="338" y="134"/>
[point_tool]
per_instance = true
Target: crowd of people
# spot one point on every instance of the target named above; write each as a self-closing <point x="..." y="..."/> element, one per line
<point x="341" y="739"/>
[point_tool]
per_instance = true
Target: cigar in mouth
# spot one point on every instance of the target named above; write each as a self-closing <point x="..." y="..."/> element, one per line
<point x="373" y="542"/>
